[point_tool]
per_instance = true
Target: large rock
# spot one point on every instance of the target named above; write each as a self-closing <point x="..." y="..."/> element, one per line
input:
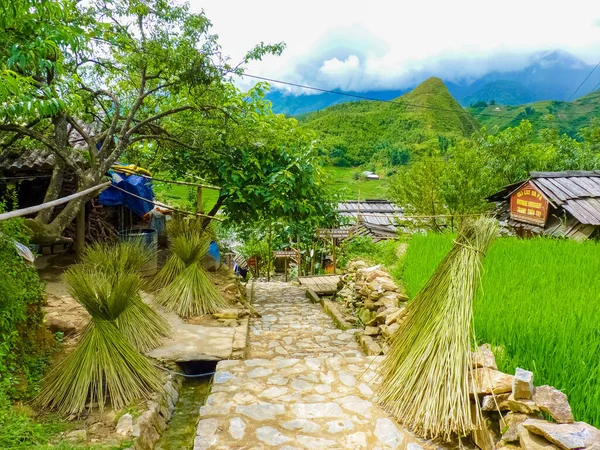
<point x="383" y="284"/>
<point x="484" y="357"/>
<point x="356" y="265"/>
<point x="376" y="274"/>
<point x="531" y="441"/>
<point x="125" y="425"/>
<point x="489" y="381"/>
<point x="510" y="426"/>
<point x="495" y="403"/>
<point x="486" y="436"/>
<point x="371" y="331"/>
<point x="383" y="315"/>
<point x="522" y="406"/>
<point x="567" y="436"/>
<point x="553" y="402"/>
<point x="523" y="384"/>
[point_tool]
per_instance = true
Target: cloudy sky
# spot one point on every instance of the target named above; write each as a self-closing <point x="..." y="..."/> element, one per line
<point x="375" y="45"/>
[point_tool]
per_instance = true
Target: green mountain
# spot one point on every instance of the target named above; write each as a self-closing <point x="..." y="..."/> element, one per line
<point x="566" y="117"/>
<point x="389" y="133"/>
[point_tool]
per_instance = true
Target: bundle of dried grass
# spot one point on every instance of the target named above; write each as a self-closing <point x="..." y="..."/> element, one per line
<point x="104" y="366"/>
<point x="185" y="285"/>
<point x="140" y="324"/>
<point x="425" y="376"/>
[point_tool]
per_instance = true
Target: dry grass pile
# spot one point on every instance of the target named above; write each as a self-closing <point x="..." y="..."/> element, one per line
<point x="425" y="375"/>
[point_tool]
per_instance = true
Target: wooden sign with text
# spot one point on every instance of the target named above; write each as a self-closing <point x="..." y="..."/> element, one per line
<point x="333" y="233"/>
<point x="529" y="205"/>
<point x="285" y="254"/>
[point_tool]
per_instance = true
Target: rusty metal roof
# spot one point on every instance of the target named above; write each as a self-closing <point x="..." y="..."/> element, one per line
<point x="575" y="191"/>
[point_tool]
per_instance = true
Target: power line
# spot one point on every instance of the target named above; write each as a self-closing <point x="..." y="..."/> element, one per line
<point x="586" y="78"/>
<point x="363" y="97"/>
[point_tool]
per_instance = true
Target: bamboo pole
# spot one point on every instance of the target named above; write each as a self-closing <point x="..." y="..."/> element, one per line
<point x="80" y="232"/>
<point x="199" y="200"/>
<point x="60" y="201"/>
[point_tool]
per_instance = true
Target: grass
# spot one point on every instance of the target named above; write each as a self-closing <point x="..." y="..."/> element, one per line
<point x="18" y="431"/>
<point x="182" y="197"/>
<point x="342" y="181"/>
<point x="539" y="302"/>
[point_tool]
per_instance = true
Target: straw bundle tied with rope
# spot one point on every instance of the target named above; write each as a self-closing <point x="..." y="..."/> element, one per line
<point x="185" y="285"/>
<point x="425" y="375"/>
<point x="140" y="324"/>
<point x="105" y="365"/>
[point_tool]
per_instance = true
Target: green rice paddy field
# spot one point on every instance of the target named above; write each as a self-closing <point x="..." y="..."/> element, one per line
<point x="540" y="301"/>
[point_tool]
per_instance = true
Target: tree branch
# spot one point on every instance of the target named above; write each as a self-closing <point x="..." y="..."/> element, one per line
<point x="170" y="112"/>
<point x="86" y="137"/>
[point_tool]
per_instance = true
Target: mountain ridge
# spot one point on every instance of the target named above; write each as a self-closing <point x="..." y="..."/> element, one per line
<point x="550" y="75"/>
<point x="390" y="133"/>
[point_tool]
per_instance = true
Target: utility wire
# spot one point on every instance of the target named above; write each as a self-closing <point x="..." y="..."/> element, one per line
<point x="586" y="78"/>
<point x="363" y="97"/>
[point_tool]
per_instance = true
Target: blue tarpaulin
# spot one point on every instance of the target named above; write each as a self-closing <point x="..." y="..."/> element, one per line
<point x="142" y="187"/>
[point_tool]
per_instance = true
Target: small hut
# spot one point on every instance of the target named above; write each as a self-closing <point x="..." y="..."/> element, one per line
<point x="376" y="218"/>
<point x="559" y="204"/>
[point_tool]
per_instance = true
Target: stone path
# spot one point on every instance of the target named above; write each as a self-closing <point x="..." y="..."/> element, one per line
<point x="306" y="385"/>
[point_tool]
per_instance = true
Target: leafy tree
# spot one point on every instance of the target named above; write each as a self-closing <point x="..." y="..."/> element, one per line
<point x="130" y="68"/>
<point x="418" y="187"/>
<point x="268" y="167"/>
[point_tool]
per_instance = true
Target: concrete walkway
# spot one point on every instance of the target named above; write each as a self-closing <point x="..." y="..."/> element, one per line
<point x="306" y="385"/>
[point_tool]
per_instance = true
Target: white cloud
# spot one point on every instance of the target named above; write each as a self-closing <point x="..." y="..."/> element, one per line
<point x="382" y="44"/>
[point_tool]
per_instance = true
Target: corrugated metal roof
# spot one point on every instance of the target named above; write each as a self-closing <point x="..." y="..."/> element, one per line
<point x="28" y="160"/>
<point x="576" y="191"/>
<point x="380" y="217"/>
<point x="31" y="160"/>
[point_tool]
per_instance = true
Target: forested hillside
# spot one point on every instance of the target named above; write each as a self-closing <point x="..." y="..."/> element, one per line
<point x="391" y="133"/>
<point x="565" y="117"/>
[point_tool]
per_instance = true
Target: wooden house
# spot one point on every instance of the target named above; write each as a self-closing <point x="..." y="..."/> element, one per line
<point x="559" y="204"/>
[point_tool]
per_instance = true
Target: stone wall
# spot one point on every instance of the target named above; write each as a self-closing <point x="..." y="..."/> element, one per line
<point x="514" y="411"/>
<point x="368" y="298"/>
<point x="147" y="428"/>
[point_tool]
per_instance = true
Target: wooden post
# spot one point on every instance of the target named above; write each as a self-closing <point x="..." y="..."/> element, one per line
<point x="334" y="258"/>
<point x="80" y="232"/>
<point x="312" y="259"/>
<point x="199" y="199"/>
<point x="269" y="255"/>
<point x="286" y="269"/>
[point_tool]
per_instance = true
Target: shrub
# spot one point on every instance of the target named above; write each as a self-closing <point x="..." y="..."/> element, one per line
<point x="24" y="342"/>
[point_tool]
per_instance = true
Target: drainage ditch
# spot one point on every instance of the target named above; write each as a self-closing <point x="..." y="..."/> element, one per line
<point x="181" y="430"/>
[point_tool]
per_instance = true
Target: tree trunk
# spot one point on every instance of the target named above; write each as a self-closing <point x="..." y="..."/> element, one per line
<point x="54" y="189"/>
<point x="61" y="139"/>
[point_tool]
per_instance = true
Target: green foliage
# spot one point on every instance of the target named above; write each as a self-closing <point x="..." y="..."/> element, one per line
<point x="349" y="184"/>
<point x="563" y="117"/>
<point x="23" y="342"/>
<point x="352" y="133"/>
<point x="538" y="302"/>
